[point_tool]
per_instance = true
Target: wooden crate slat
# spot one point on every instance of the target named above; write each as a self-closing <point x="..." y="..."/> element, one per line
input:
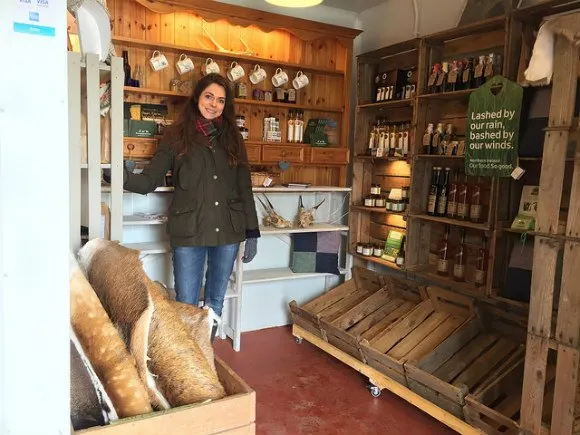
<point x="329" y="298"/>
<point x="363" y="309"/>
<point x="388" y="320"/>
<point x="374" y="318"/>
<point x="345" y="304"/>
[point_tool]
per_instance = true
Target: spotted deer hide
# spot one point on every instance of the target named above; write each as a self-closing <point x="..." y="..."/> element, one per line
<point x="170" y="361"/>
<point x="105" y="349"/>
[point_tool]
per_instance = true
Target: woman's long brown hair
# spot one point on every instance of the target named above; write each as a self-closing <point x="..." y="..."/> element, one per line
<point x="183" y="131"/>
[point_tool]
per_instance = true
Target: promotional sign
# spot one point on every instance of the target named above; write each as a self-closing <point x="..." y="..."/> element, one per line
<point x="493" y="122"/>
<point x="36" y="17"/>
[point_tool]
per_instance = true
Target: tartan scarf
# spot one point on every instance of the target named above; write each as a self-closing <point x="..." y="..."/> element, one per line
<point x="210" y="129"/>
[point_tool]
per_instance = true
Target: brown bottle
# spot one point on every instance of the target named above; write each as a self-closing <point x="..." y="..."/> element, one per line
<point x="481" y="264"/>
<point x="437" y="139"/>
<point x="462" y="199"/>
<point x="428" y="139"/>
<point x="475" y="211"/>
<point x="443" y="260"/>
<point x="433" y="191"/>
<point x="443" y="194"/>
<point x="452" y="198"/>
<point x="459" y="266"/>
<point x="433" y="78"/>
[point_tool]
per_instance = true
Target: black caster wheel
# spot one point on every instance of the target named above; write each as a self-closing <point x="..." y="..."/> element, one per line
<point x="374" y="390"/>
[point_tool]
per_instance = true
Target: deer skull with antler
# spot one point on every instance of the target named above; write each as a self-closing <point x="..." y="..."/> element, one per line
<point x="306" y="215"/>
<point x="273" y="218"/>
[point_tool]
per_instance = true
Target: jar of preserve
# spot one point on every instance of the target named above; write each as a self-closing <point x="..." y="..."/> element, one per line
<point x="380" y="201"/>
<point x="240" y="121"/>
<point x="398" y="205"/>
<point x="375" y="189"/>
<point x="369" y="201"/>
<point x="378" y="251"/>
<point x="389" y="204"/>
<point x="368" y="250"/>
<point x="245" y="133"/>
<point x="359" y="248"/>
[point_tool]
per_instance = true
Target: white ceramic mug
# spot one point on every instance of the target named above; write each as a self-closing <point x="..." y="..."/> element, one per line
<point x="235" y="72"/>
<point x="300" y="81"/>
<point x="158" y="61"/>
<point x="211" y="66"/>
<point x="280" y="78"/>
<point x="184" y="64"/>
<point x="257" y="75"/>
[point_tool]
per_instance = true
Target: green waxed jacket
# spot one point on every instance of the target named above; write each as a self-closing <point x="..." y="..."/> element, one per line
<point x="213" y="203"/>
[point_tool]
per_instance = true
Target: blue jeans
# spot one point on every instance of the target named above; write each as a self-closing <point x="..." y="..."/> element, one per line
<point x="188" y="267"/>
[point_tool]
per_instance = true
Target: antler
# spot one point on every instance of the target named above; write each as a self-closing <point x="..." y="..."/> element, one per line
<point x="316" y="206"/>
<point x="269" y="203"/>
<point x="264" y="205"/>
<point x="248" y="52"/>
<point x="300" y="203"/>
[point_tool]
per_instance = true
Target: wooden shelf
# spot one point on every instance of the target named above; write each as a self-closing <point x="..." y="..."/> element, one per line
<point x="377" y="260"/>
<point x="139" y="43"/>
<point x="453" y="222"/>
<point x="382" y="159"/>
<point x="430" y="273"/>
<point x="482" y="26"/>
<point x="316" y="228"/>
<point x="463" y="94"/>
<point x="388" y="104"/>
<point x="438" y="156"/>
<point x="171" y="94"/>
<point x="280" y="274"/>
<point x="377" y="210"/>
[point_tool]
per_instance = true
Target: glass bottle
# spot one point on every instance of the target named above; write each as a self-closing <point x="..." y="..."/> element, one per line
<point x="443" y="194"/>
<point x="468" y="72"/>
<point x="432" y="83"/>
<point x="452" y="76"/>
<point x="428" y="139"/>
<point x="433" y="191"/>
<point x="400" y="261"/>
<point x="452" y="197"/>
<point x="437" y="139"/>
<point x="462" y="199"/>
<point x="447" y="138"/>
<point x="443" y="257"/>
<point x="442" y="84"/>
<point x="126" y="68"/>
<point x="475" y="211"/>
<point x="481" y="264"/>
<point x="478" y="75"/>
<point x="290" y="126"/>
<point x="490" y="65"/>
<point x="405" y="150"/>
<point x="459" y="266"/>
<point x="393" y="136"/>
<point x="299" y="127"/>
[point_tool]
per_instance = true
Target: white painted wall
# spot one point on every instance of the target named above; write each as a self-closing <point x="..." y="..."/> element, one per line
<point x="34" y="229"/>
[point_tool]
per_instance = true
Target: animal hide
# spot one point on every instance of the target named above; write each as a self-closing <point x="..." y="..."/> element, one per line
<point x="170" y="361"/>
<point x="104" y="347"/>
<point x="540" y="68"/>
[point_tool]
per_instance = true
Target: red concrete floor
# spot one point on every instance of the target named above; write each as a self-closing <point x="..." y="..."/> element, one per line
<point x="302" y="390"/>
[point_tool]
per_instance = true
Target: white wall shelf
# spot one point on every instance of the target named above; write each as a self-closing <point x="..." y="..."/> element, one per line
<point x="315" y="228"/>
<point x="167" y="189"/>
<point x="141" y="220"/>
<point x="149" y="247"/>
<point x="311" y="189"/>
<point x="280" y="274"/>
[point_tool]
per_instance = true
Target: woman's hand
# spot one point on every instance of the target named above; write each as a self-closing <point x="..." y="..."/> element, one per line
<point x="250" y="250"/>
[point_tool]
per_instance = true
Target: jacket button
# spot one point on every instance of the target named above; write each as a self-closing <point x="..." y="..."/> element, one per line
<point x="215" y="177"/>
<point x="217" y="230"/>
<point x="217" y="203"/>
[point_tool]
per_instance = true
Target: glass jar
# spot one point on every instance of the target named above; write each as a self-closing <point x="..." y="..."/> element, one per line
<point x="359" y="248"/>
<point x="245" y="133"/>
<point x="375" y="189"/>
<point x="380" y="201"/>
<point x="405" y="194"/>
<point x="240" y="120"/>
<point x="378" y="251"/>
<point x="367" y="250"/>
<point x="389" y="204"/>
<point x="369" y="201"/>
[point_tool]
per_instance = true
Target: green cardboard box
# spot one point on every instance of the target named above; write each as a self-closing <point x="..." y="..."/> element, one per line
<point x="142" y="128"/>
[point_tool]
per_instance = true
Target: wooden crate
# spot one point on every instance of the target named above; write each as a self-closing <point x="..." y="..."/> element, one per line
<point x="233" y="415"/>
<point x="372" y="315"/>
<point x="417" y="333"/>
<point x="468" y="359"/>
<point x="332" y="304"/>
<point x="495" y="407"/>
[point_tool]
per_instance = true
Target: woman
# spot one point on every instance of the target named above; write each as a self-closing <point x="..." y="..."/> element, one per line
<point x="213" y="208"/>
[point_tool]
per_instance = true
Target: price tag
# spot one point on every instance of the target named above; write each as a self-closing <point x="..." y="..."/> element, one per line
<point x="432" y="79"/>
<point x="478" y="70"/>
<point x="452" y="77"/>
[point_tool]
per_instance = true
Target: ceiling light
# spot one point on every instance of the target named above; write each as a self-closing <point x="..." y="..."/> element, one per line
<point x="294" y="3"/>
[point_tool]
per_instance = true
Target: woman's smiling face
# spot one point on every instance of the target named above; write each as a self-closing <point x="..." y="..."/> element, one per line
<point x="212" y="101"/>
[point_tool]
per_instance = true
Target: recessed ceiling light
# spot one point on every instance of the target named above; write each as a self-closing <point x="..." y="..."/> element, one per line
<point x="294" y="3"/>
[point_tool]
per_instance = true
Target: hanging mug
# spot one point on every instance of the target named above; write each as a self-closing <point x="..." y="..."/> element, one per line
<point x="158" y="61"/>
<point x="235" y="72"/>
<point x="257" y="75"/>
<point x="184" y="64"/>
<point x="280" y="78"/>
<point x="211" y="66"/>
<point x="300" y="81"/>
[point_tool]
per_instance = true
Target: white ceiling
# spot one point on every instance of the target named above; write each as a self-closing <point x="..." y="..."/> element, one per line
<point x="353" y="5"/>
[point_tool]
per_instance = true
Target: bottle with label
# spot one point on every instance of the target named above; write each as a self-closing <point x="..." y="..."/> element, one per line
<point x="462" y="199"/>
<point x="126" y="68"/>
<point x="428" y="139"/>
<point x="475" y="211"/>
<point x="405" y="150"/>
<point x="481" y="264"/>
<point x="432" y="82"/>
<point x="442" y="84"/>
<point x="490" y="66"/>
<point x="291" y="95"/>
<point x="453" y="76"/>
<point x="291" y="122"/>
<point x="447" y="138"/>
<point x="393" y="139"/>
<point x="443" y="194"/>
<point x="437" y="139"/>
<point x="299" y="127"/>
<point x="452" y="197"/>
<point x="459" y="266"/>
<point x="400" y="261"/>
<point x="433" y="191"/>
<point x="478" y="75"/>
<point x="468" y="72"/>
<point x="443" y="257"/>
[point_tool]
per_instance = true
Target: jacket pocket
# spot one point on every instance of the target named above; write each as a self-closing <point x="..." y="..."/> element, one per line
<point x="237" y="215"/>
<point x="183" y="221"/>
